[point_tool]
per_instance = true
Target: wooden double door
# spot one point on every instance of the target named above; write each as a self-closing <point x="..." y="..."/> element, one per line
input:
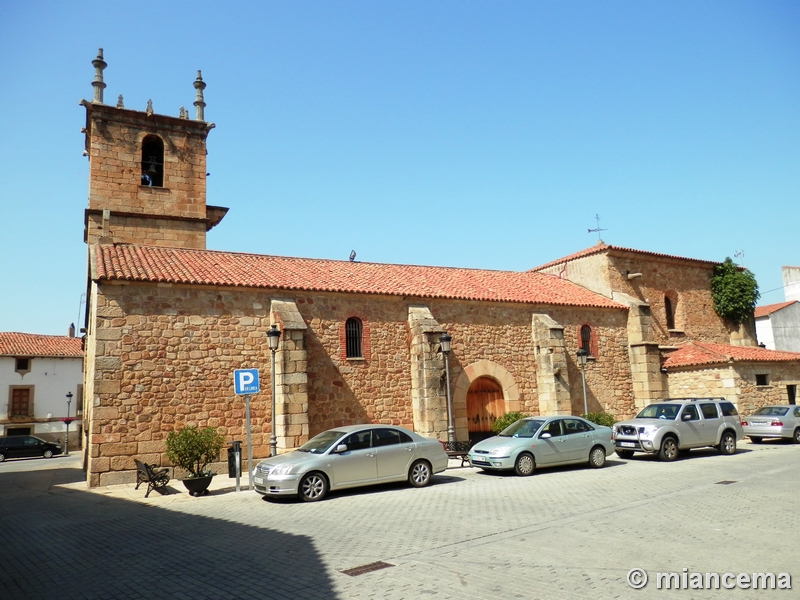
<point x="485" y="403"/>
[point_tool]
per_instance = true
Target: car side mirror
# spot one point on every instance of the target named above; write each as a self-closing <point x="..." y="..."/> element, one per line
<point x="686" y="417"/>
<point x="341" y="448"/>
<point x="545" y="436"/>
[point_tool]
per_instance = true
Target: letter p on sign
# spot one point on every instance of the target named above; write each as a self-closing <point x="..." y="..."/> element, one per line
<point x="245" y="381"/>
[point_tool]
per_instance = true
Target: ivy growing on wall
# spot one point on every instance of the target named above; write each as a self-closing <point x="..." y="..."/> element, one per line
<point x="734" y="291"/>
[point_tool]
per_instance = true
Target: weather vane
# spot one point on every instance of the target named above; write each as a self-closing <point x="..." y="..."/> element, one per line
<point x="598" y="230"/>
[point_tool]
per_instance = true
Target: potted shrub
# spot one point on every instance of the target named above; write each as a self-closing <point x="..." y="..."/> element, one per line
<point x="192" y="450"/>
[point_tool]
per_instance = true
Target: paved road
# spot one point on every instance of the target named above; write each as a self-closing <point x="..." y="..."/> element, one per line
<point x="563" y="533"/>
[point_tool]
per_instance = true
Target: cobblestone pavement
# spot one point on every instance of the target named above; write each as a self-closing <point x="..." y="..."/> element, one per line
<point x="563" y="533"/>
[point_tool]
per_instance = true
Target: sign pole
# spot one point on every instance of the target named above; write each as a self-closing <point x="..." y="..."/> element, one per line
<point x="249" y="443"/>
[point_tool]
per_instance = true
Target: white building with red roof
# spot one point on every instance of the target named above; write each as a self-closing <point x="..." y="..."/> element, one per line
<point x="36" y="374"/>
<point x="778" y="325"/>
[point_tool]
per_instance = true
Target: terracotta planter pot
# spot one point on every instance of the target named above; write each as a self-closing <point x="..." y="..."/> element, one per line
<point x="197" y="486"/>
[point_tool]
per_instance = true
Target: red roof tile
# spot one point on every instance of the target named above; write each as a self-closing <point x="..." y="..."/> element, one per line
<point x="706" y="353"/>
<point x="603" y="247"/>
<point x="768" y="309"/>
<point x="205" y="267"/>
<point x="31" y="344"/>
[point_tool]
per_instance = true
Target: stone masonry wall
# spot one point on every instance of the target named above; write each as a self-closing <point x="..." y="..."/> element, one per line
<point x="156" y="232"/>
<point x="164" y="358"/>
<point x="737" y="382"/>
<point x="114" y="144"/>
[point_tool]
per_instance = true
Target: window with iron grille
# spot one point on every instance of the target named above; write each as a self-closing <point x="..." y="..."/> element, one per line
<point x="352" y="329"/>
<point x="586" y="338"/>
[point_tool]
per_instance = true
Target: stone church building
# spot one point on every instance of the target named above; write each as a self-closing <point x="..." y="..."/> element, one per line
<point x="168" y="321"/>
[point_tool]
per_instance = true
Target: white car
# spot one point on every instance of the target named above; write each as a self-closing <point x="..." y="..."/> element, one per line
<point x="773" y="422"/>
<point x="351" y="456"/>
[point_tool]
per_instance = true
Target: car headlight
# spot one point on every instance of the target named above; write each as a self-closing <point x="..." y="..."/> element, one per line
<point x="282" y="470"/>
<point x="502" y="451"/>
<point x="647" y="431"/>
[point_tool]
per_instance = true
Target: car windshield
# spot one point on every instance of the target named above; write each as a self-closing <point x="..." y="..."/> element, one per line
<point x="322" y="442"/>
<point x="659" y="411"/>
<point x="772" y="411"/>
<point x="523" y="428"/>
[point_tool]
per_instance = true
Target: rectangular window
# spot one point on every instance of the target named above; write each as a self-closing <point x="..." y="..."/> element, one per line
<point x="21" y="404"/>
<point x="791" y="391"/>
<point x="709" y="411"/>
<point x="761" y="379"/>
<point x="23" y="365"/>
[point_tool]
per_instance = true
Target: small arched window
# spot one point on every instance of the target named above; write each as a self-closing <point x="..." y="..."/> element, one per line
<point x="352" y="330"/>
<point x="669" y="310"/>
<point x="586" y="338"/>
<point x="153" y="161"/>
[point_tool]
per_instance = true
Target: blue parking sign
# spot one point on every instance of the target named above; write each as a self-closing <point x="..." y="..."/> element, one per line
<point x="245" y="381"/>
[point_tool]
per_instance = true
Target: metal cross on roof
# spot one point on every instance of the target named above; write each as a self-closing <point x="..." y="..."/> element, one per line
<point x="598" y="230"/>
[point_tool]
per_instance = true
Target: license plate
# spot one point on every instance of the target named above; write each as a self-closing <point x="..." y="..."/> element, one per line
<point x="258" y="480"/>
<point x="479" y="459"/>
<point x="627" y="444"/>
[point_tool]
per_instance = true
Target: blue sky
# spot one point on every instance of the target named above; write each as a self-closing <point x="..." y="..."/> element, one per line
<point x="469" y="134"/>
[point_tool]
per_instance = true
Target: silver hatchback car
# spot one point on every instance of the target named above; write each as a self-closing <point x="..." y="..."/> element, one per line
<point x="351" y="456"/>
<point x="773" y="422"/>
<point x="543" y="442"/>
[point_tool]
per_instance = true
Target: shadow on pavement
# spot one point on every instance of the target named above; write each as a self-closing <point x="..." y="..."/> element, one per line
<point x="68" y="543"/>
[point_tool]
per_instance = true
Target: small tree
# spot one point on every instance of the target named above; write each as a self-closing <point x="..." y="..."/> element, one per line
<point x="506" y="420"/>
<point x="734" y="291"/>
<point x="192" y="449"/>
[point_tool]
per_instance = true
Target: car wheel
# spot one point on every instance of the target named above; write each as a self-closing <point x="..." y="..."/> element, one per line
<point x="669" y="449"/>
<point x="48" y="453"/>
<point x="313" y="487"/>
<point x="2" y="457"/>
<point x="727" y="445"/>
<point x="757" y="440"/>
<point x="796" y="436"/>
<point x="597" y="457"/>
<point x="419" y="475"/>
<point x="524" y="465"/>
<point x="625" y="453"/>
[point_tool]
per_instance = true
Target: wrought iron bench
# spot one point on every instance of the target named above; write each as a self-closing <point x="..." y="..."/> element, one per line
<point x="458" y="450"/>
<point x="150" y="474"/>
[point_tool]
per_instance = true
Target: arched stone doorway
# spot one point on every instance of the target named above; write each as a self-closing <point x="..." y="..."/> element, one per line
<point x="482" y="369"/>
<point x="485" y="403"/>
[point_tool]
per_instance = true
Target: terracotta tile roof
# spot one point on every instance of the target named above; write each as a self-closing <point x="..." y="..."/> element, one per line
<point x="768" y="309"/>
<point x="31" y="344"/>
<point x="603" y="247"/>
<point x="205" y="267"/>
<point x="706" y="353"/>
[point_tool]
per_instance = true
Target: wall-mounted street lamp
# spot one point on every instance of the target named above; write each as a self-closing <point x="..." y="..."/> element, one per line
<point x="273" y="337"/>
<point x="444" y="340"/>
<point x="582" y="356"/>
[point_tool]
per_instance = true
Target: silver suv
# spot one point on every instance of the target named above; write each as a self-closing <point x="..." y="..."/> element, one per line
<point x="678" y="424"/>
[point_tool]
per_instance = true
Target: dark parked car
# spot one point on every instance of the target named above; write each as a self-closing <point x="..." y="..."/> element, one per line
<point x="18" y="446"/>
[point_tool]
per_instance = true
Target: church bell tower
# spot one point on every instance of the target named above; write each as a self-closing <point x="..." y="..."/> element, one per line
<point x="147" y="172"/>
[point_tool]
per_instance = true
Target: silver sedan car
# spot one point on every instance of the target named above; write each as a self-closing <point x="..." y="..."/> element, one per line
<point x="543" y="442"/>
<point x="351" y="456"/>
<point x="773" y="422"/>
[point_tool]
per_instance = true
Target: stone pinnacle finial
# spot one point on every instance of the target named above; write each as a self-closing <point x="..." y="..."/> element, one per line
<point x="183" y="114"/>
<point x="149" y="109"/>
<point x="99" y="64"/>
<point x="120" y="103"/>
<point x="199" y="103"/>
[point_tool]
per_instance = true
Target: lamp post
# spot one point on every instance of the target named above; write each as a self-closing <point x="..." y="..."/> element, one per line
<point x="273" y="337"/>
<point x="582" y="355"/>
<point x="67" y="421"/>
<point x="444" y="340"/>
